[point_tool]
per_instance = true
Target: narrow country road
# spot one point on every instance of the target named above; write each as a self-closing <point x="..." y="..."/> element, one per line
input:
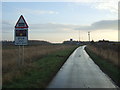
<point x="80" y="71"/>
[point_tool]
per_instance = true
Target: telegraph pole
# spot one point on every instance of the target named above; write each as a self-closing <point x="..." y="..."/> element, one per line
<point x="79" y="35"/>
<point x="89" y="36"/>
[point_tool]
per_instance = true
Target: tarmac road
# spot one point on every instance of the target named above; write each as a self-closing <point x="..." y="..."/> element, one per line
<point x="79" y="71"/>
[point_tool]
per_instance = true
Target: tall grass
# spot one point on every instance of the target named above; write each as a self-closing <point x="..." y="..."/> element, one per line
<point x="107" y="51"/>
<point x="109" y="68"/>
<point x="32" y="53"/>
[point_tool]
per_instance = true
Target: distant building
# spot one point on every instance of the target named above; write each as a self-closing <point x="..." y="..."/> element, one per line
<point x="103" y="41"/>
<point x="71" y="40"/>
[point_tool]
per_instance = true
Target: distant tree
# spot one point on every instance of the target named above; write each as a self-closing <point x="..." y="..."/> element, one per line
<point x="92" y="42"/>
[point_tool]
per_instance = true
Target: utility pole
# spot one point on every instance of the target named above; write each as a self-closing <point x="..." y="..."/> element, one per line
<point x="89" y="36"/>
<point x="79" y="35"/>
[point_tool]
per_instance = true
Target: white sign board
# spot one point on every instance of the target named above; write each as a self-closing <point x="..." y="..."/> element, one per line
<point x="21" y="37"/>
<point x="21" y="32"/>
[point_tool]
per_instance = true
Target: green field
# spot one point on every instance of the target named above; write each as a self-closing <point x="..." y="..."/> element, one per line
<point x="41" y="71"/>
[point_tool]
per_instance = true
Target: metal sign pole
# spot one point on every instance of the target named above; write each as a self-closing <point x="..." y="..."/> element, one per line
<point x="20" y="60"/>
<point x="23" y="56"/>
<point x="19" y="56"/>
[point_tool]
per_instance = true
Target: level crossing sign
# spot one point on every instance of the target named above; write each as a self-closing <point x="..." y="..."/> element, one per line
<point x="21" y="32"/>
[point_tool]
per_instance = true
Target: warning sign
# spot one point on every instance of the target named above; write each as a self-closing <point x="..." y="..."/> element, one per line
<point x="21" y="23"/>
<point x="21" y="32"/>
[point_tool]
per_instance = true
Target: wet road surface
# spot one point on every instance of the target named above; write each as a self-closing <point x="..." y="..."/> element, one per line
<point x="79" y="71"/>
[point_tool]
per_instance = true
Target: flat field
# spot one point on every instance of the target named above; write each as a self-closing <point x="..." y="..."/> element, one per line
<point x="41" y="63"/>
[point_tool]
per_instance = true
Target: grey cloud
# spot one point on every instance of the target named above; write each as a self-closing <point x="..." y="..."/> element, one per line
<point x="62" y="28"/>
<point x="53" y="27"/>
<point x="100" y="25"/>
<point x="5" y="22"/>
<point x="7" y="27"/>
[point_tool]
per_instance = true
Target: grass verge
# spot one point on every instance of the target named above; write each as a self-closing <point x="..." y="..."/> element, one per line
<point x="109" y="68"/>
<point x="42" y="71"/>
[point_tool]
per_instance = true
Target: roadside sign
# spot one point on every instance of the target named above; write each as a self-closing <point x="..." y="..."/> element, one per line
<point x="21" y="23"/>
<point x="21" y="32"/>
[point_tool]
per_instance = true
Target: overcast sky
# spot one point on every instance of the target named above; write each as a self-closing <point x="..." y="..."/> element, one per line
<point x="59" y="21"/>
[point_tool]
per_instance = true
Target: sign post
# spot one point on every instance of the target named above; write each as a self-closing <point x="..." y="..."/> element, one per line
<point x="21" y="38"/>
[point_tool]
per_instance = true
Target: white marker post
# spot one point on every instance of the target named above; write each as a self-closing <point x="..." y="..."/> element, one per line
<point x="21" y="38"/>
